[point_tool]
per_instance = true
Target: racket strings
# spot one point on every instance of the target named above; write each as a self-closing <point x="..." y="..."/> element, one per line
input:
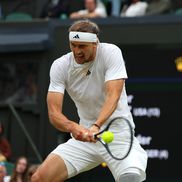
<point x="120" y="147"/>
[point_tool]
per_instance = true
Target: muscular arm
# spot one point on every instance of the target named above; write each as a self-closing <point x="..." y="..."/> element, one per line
<point x="59" y="120"/>
<point x="113" y="91"/>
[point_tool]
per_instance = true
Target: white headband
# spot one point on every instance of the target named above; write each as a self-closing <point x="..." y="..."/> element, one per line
<point x="82" y="37"/>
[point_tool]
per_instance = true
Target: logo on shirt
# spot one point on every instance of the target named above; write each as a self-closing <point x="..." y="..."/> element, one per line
<point x="76" y="37"/>
<point x="88" y="73"/>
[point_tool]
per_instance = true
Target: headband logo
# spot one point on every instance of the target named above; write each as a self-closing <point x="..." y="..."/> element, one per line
<point x="76" y="36"/>
<point x="82" y="37"/>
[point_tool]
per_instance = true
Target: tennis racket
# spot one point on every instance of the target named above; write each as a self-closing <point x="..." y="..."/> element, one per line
<point x="122" y="143"/>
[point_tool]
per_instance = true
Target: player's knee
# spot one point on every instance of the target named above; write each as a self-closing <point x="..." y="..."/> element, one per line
<point x="130" y="177"/>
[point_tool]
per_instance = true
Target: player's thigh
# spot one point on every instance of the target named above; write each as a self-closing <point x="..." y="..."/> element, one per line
<point x="78" y="156"/>
<point x="52" y="169"/>
<point x="135" y="162"/>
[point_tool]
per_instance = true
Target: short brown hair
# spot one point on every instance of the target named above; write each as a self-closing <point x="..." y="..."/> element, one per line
<point x="85" y="26"/>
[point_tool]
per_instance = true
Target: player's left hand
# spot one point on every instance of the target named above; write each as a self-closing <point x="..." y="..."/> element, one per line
<point x="93" y="131"/>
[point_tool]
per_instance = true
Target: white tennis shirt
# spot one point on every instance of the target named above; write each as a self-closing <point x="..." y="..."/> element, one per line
<point x="85" y="82"/>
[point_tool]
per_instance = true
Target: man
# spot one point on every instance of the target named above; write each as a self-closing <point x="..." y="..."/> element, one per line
<point x="94" y="76"/>
<point x="93" y="9"/>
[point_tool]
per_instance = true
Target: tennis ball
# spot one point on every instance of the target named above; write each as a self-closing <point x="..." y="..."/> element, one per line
<point x="107" y="136"/>
<point x="103" y="164"/>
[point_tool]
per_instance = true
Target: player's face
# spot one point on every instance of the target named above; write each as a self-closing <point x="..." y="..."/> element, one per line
<point x="83" y="51"/>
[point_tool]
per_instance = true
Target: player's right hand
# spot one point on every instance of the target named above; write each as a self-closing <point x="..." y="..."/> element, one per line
<point x="81" y="133"/>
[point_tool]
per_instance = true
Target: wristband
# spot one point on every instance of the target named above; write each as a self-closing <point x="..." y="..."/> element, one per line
<point x="96" y="125"/>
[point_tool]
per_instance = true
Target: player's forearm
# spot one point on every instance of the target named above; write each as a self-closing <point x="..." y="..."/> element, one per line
<point x="61" y="122"/>
<point x="107" y="110"/>
<point x="113" y="92"/>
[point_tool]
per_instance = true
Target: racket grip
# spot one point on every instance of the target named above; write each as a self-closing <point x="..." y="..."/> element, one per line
<point x="94" y="136"/>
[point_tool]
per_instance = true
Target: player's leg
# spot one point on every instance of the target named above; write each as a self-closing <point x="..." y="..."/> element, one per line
<point x="68" y="160"/>
<point x="52" y="169"/>
<point x="130" y="177"/>
<point x="135" y="163"/>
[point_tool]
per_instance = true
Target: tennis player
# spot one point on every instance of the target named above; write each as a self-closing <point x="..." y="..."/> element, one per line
<point x="94" y="75"/>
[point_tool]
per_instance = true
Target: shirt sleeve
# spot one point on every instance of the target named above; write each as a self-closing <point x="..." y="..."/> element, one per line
<point x="115" y="66"/>
<point x="57" y="76"/>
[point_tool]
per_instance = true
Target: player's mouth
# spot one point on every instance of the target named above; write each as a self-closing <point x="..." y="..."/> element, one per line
<point x="80" y="59"/>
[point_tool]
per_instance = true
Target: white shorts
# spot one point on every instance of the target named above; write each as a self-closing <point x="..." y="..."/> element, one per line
<point x="83" y="156"/>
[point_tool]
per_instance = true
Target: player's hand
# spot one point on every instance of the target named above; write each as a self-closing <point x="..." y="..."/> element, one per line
<point x="93" y="131"/>
<point x="81" y="133"/>
<point x="84" y="134"/>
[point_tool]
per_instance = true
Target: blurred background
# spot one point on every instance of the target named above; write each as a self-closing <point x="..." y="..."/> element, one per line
<point x="34" y="33"/>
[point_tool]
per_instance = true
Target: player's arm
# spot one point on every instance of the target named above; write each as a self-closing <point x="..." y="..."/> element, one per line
<point x="54" y="104"/>
<point x="59" y="120"/>
<point x="113" y="91"/>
